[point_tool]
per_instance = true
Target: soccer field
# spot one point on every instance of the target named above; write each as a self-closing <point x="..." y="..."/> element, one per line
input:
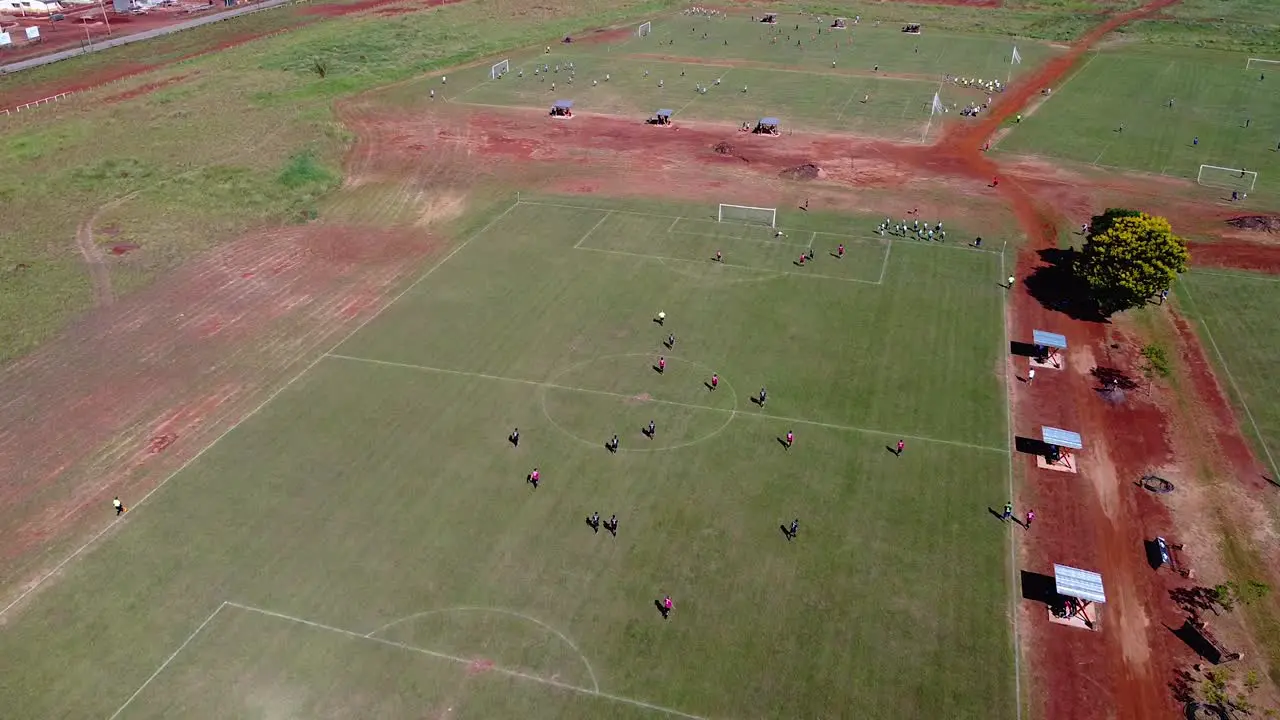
<point x="867" y="79"/>
<point x="366" y="545"/>
<point x="1229" y="103"/>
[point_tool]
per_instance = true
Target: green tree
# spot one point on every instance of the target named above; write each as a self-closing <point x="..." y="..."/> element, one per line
<point x="1129" y="258"/>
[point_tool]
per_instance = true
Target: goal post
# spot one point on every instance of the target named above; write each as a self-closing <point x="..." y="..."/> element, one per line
<point x="644" y="29"/>
<point x="1252" y="63"/>
<point x="1227" y="178"/>
<point x="499" y="69"/>
<point x="747" y="214"/>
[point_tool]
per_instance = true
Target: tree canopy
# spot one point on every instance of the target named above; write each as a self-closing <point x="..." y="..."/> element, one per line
<point x="1129" y="258"/>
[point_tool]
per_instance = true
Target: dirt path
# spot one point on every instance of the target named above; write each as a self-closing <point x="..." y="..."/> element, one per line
<point x="95" y="260"/>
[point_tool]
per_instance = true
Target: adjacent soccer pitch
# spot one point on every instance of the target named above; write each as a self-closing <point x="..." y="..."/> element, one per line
<point x="1232" y="109"/>
<point x="366" y="545"/>
<point x="1237" y="320"/>
<point x="828" y="82"/>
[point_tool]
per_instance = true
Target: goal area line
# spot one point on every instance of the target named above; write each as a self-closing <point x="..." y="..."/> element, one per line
<point x="372" y="638"/>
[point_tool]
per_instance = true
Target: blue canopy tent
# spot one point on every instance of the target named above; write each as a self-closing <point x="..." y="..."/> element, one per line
<point x="662" y="117"/>
<point x="767" y="126"/>
<point x="562" y="108"/>
<point x="1059" y="442"/>
<point x="1048" y="346"/>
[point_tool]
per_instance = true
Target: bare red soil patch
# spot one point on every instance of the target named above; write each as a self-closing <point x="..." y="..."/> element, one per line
<point x="1238" y="255"/>
<point x="147" y="88"/>
<point x="402" y="7"/>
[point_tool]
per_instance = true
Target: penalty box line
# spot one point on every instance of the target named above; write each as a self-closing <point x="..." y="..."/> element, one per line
<point x="664" y="258"/>
<point x="370" y="637"/>
<point x="674" y="403"/>
<point x="676" y="219"/>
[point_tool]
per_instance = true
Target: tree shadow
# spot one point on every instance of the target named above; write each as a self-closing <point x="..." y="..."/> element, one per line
<point x="1195" y="600"/>
<point x="1055" y="286"/>
<point x="1113" y="379"/>
<point x="1182" y="685"/>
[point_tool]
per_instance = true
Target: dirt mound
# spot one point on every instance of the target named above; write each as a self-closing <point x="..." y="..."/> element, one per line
<point x="1261" y="223"/>
<point x="725" y="148"/>
<point x="807" y="171"/>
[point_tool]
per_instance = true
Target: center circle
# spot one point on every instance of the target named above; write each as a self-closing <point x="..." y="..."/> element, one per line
<point x="595" y="399"/>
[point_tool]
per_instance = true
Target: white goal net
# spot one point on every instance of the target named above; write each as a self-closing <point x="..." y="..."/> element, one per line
<point x="1254" y="63"/>
<point x="1227" y="178"/>
<point x="747" y="214"/>
<point x="499" y="69"/>
<point x="644" y="29"/>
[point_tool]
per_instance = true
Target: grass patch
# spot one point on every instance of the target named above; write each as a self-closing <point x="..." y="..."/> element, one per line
<point x="1236" y="317"/>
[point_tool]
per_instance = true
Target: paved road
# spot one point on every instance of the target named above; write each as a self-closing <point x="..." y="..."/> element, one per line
<point x="145" y="35"/>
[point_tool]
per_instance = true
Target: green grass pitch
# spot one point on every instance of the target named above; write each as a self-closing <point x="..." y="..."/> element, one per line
<point x="1238" y="323"/>
<point x="828" y="83"/>
<point x="366" y="544"/>
<point x="1214" y="95"/>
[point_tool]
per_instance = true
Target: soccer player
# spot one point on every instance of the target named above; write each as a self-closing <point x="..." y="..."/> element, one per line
<point x="653" y="430"/>
<point x="662" y="365"/>
<point x="1008" y="511"/>
<point x="795" y="530"/>
<point x="594" y="521"/>
<point x="764" y="395"/>
<point x="666" y="607"/>
<point x="1012" y="280"/>
<point x="810" y="253"/>
<point x="613" y="444"/>
<point x="612" y="525"/>
<point x="119" y="506"/>
<point x="1031" y="515"/>
<point x="719" y="257"/>
<point x="671" y="340"/>
<point x="1195" y="141"/>
<point x="534" y="478"/>
<point x="433" y="93"/>
<point x="715" y="381"/>
<point x="902" y="445"/>
<point x="662" y="317"/>
<point x="514" y="437"/>
<point x="791" y="438"/>
<point x="840" y="249"/>
<point x="800" y="262"/>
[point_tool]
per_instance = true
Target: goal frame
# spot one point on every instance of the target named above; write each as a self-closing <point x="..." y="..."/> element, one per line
<point x="645" y="29"/>
<point x="1242" y="175"/>
<point x="1248" y="64"/>
<point x="771" y="222"/>
<point x="494" y="74"/>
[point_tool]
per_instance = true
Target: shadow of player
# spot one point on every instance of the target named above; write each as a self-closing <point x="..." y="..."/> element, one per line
<point x="657" y="369"/>
<point x="783" y="442"/>
<point x="708" y="386"/>
<point x="661" y="609"/>
<point x="786" y="532"/>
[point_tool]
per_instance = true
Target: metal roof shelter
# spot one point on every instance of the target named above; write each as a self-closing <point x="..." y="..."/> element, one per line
<point x="1061" y="438"/>
<point x="769" y="121"/>
<point x="563" y="104"/>
<point x="1049" y="340"/>
<point x="1048" y="345"/>
<point x="665" y="113"/>
<point x="1080" y="584"/>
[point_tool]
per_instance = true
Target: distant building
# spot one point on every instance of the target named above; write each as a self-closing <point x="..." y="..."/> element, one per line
<point x="33" y="7"/>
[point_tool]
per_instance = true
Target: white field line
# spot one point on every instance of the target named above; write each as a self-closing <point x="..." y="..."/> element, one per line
<point x="1013" y="543"/>
<point x="1275" y="469"/>
<point x="765" y="241"/>
<point x="679" y="110"/>
<point x="673" y="403"/>
<point x="166" y="662"/>
<point x="664" y="258"/>
<point x="274" y="394"/>
<point x="844" y="107"/>
<point x="671" y="228"/>
<point x="595" y="683"/>
<point x="1236" y="276"/>
<point x="464" y="661"/>
<point x="587" y="234"/>
<point x="884" y="267"/>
